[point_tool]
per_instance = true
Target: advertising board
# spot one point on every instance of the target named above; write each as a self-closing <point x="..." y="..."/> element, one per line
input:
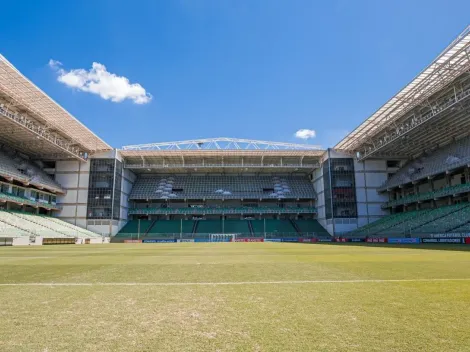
<point x="441" y="240"/>
<point x="376" y="240"/>
<point x="403" y="240"/>
<point x="308" y="240"/>
<point x="166" y="240"/>
<point x="254" y="239"/>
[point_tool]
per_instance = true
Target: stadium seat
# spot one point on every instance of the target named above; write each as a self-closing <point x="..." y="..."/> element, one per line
<point x="222" y="187"/>
<point x="16" y="167"/>
<point x="22" y="224"/>
<point x="454" y="155"/>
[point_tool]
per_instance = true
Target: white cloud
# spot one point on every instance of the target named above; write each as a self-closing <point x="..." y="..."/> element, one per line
<point x="305" y="134"/>
<point x="99" y="81"/>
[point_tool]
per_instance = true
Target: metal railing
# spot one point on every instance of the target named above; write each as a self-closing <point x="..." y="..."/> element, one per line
<point x="206" y="211"/>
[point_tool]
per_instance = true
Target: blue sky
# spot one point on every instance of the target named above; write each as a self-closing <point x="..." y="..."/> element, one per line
<point x="246" y="69"/>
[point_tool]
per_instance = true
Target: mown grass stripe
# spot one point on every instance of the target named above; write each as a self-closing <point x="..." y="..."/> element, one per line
<point x="293" y="282"/>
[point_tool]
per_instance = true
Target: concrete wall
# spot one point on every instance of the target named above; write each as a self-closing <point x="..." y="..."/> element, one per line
<point x="369" y="175"/>
<point x="73" y="175"/>
<point x="319" y="187"/>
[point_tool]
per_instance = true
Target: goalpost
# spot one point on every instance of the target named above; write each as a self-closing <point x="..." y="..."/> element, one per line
<point x="223" y="237"/>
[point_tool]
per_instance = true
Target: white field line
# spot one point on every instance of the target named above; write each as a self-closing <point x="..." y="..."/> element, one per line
<point x="226" y="283"/>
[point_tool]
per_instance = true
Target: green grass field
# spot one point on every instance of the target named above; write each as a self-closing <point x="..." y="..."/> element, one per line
<point x="235" y="297"/>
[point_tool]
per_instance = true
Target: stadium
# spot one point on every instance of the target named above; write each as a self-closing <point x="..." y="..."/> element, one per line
<point x="131" y="214"/>
<point x="402" y="172"/>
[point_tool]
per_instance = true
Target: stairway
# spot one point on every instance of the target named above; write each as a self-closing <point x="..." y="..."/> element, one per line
<point x="250" y="226"/>
<point x="295" y="226"/>
<point x="195" y="225"/>
<point x="149" y="228"/>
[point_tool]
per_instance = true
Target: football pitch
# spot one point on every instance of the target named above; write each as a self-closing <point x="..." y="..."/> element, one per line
<point x="235" y="297"/>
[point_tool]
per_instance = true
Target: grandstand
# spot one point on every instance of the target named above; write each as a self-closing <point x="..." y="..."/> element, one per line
<point x="36" y="135"/>
<point x="192" y="189"/>
<point x="404" y="171"/>
<point x="423" y="132"/>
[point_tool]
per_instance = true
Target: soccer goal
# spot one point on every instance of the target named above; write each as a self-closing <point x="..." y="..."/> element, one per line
<point x="223" y="237"/>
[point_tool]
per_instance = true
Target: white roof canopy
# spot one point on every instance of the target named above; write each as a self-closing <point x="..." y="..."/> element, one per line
<point x="26" y="96"/>
<point x="450" y="64"/>
<point x="222" y="143"/>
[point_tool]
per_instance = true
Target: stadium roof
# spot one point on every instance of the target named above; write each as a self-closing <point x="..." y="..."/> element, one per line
<point x="24" y="95"/>
<point x="453" y="62"/>
<point x="127" y="153"/>
<point x="221" y="143"/>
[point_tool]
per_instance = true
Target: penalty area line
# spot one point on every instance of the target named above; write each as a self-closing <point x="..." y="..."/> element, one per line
<point x="229" y="283"/>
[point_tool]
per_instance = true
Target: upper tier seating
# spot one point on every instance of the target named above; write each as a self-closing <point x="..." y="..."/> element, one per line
<point x="13" y="166"/>
<point x="445" y="191"/>
<point x="222" y="187"/>
<point x="452" y="156"/>
<point x="15" y="224"/>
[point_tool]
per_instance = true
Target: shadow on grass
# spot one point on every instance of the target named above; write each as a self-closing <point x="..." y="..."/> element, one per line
<point x="430" y="246"/>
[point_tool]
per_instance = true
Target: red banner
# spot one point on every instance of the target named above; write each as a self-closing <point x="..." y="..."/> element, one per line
<point x="308" y="240"/>
<point x="376" y="240"/>
<point x="132" y="241"/>
<point x="341" y="239"/>
<point x="467" y="240"/>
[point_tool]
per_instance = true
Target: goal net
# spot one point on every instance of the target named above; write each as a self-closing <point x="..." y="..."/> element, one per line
<point x="223" y="237"/>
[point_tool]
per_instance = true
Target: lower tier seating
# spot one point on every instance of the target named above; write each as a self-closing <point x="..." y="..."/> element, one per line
<point x="173" y="228"/>
<point x="447" y="219"/>
<point x="16" y="224"/>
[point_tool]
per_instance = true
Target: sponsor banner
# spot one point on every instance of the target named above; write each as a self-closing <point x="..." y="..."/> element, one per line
<point x="341" y="240"/>
<point x="249" y="239"/>
<point x="159" y="241"/>
<point x="201" y="240"/>
<point x="467" y="240"/>
<point x="290" y="240"/>
<point x="356" y="240"/>
<point x="308" y="240"/>
<point x="448" y="235"/>
<point x="441" y="240"/>
<point x="403" y="240"/>
<point x="272" y="240"/>
<point x="132" y="241"/>
<point x="185" y="240"/>
<point x="325" y="240"/>
<point x="376" y="240"/>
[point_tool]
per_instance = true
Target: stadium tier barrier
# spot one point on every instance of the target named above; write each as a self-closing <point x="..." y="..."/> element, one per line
<point x="9" y="197"/>
<point x="443" y="192"/>
<point x="222" y="210"/>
